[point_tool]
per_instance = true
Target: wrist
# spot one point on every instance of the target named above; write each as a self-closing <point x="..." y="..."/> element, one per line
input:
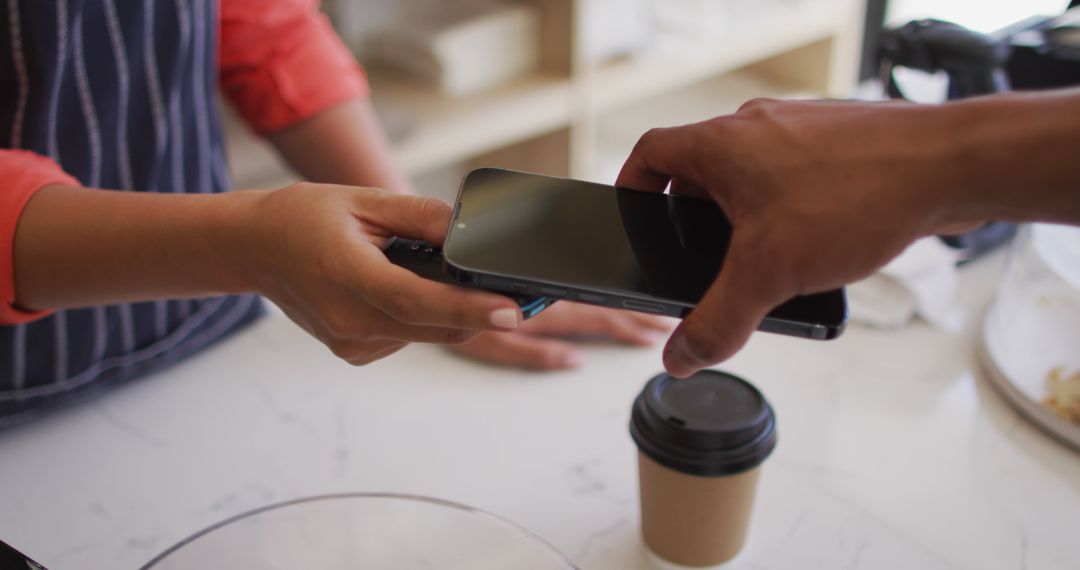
<point x="1010" y="158"/>
<point x="924" y="164"/>
<point x="233" y="238"/>
<point x="972" y="158"/>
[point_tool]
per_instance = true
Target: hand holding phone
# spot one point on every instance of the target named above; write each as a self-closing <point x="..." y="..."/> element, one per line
<point x="569" y="239"/>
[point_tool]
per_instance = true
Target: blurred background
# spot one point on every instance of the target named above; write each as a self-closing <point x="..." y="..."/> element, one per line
<point x="565" y="87"/>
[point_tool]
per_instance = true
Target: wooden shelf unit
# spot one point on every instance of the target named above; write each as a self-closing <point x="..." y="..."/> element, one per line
<point x="547" y="121"/>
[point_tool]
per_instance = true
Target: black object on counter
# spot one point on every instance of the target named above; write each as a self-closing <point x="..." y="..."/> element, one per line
<point x="974" y="62"/>
<point x="976" y="65"/>
<point x="1045" y="51"/>
<point x="1036" y="53"/>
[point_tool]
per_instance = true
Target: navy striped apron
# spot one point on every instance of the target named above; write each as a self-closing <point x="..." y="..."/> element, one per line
<point x="120" y="93"/>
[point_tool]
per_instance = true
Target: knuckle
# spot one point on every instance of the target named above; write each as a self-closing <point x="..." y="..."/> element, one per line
<point x="756" y="104"/>
<point x="399" y="305"/>
<point x="648" y="139"/>
<point x="455" y="336"/>
<point x="370" y="201"/>
<point x="614" y="324"/>
<point x="432" y="208"/>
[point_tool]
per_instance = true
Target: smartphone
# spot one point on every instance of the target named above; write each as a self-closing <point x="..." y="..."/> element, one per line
<point x="568" y="239"/>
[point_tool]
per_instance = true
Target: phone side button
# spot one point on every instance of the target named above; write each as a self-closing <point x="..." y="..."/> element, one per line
<point x="590" y="298"/>
<point x="643" y="306"/>
<point x="519" y="287"/>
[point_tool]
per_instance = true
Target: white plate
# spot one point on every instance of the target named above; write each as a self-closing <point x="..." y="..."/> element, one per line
<point x="1033" y="327"/>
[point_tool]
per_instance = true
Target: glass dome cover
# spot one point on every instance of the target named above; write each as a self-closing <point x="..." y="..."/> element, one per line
<point x="1031" y="333"/>
<point x="363" y="530"/>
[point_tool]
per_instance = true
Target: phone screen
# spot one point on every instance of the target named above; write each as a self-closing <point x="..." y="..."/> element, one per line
<point x="645" y="245"/>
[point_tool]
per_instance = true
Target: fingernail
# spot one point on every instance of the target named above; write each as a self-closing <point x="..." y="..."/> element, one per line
<point x="506" y="319"/>
<point x="571" y="359"/>
<point x="656" y="336"/>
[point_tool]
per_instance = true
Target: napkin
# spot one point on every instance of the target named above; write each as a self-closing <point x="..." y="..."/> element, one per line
<point x="921" y="281"/>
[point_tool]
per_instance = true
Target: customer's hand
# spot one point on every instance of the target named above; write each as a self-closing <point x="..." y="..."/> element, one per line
<point x="545" y="342"/>
<point x="316" y="251"/>
<point x="820" y="194"/>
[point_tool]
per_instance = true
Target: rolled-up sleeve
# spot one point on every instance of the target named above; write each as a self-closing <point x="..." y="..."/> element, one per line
<point x="281" y="62"/>
<point x="23" y="173"/>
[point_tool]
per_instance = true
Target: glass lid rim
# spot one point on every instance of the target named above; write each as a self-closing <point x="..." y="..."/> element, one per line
<point x="359" y="495"/>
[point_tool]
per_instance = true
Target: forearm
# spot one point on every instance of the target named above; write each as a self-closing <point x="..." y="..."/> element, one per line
<point x="344" y="144"/>
<point x="1016" y="157"/>
<point x="80" y="247"/>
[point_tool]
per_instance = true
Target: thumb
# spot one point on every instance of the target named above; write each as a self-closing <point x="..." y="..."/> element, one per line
<point x="414" y="217"/>
<point x="722" y="322"/>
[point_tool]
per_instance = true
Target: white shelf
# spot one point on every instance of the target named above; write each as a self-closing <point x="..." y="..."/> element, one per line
<point x="440" y="130"/>
<point x="446" y="129"/>
<point x="672" y="65"/>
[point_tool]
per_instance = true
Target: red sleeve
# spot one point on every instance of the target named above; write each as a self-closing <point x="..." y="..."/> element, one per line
<point x="22" y="173"/>
<point x="281" y="61"/>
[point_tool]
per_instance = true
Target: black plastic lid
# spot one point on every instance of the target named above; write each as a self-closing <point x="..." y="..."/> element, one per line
<point x="712" y="423"/>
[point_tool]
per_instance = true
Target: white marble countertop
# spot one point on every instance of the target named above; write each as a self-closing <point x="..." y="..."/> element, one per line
<point x="894" y="452"/>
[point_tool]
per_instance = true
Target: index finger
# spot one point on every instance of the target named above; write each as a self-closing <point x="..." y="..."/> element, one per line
<point x="415" y="217"/>
<point x="659" y="156"/>
<point x="411" y="299"/>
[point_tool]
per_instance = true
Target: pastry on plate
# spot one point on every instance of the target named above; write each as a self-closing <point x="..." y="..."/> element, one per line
<point x="1064" y="394"/>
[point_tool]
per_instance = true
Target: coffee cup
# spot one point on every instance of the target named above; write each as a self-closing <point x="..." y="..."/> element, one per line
<point x="701" y="442"/>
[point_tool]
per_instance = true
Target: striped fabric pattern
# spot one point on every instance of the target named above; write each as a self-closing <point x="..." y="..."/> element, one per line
<point x="120" y="93"/>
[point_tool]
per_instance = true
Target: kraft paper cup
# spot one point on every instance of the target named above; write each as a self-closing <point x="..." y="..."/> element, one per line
<point x="701" y="442"/>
